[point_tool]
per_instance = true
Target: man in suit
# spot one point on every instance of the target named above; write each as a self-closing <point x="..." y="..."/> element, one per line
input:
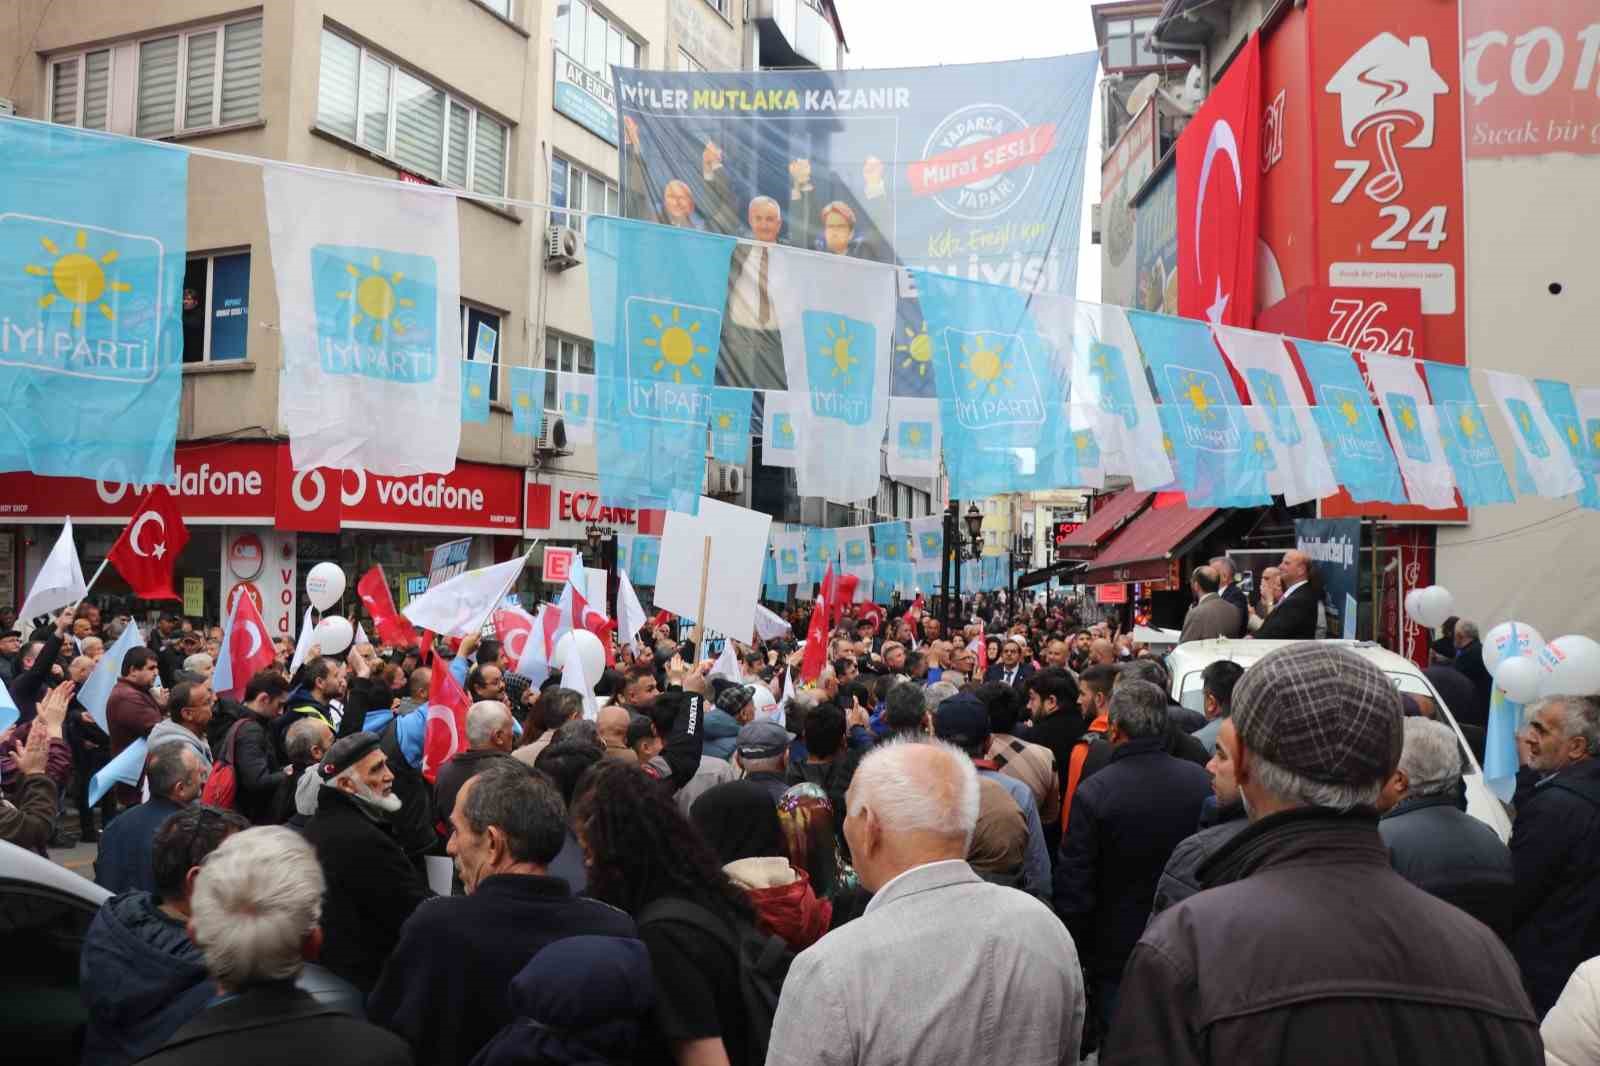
<point x="1011" y="669"/>
<point x="1469" y="662"/>
<point x="1211" y="616"/>
<point x="752" y="348"/>
<point x="940" y="959"/>
<point x="1228" y="590"/>
<point x="1295" y="616"/>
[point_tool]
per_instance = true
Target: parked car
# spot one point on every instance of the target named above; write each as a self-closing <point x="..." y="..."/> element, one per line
<point x="1186" y="661"/>
<point x="45" y="911"/>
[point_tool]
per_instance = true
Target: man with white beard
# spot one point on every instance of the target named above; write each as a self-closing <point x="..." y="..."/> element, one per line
<point x="372" y="886"/>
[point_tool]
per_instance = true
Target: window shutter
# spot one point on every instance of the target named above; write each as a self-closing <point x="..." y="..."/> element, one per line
<point x="456" y="161"/>
<point x="96" y="89"/>
<point x="199" y="81"/>
<point x="241" y="71"/>
<point x="64" y="92"/>
<point x="336" y="85"/>
<point x="157" y="107"/>
<point x="489" y="158"/>
<point x="418" y="125"/>
<point x="375" y="103"/>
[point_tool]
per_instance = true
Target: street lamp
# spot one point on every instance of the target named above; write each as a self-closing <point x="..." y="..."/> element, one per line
<point x="974" y="520"/>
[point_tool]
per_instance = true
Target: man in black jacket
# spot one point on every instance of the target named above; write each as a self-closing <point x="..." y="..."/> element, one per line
<point x="1054" y="721"/>
<point x="1295" y="615"/>
<point x="488" y="738"/>
<point x="1432" y="842"/>
<point x="1555" y="847"/>
<point x="1469" y="662"/>
<point x="1306" y="946"/>
<point x="446" y="987"/>
<point x="258" y="775"/>
<point x="372" y="885"/>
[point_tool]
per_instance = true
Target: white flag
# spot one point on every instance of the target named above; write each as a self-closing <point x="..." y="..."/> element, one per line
<point x="96" y="690"/>
<point x="1413" y="427"/>
<point x="913" y="437"/>
<point x="854" y="547"/>
<point x="769" y="624"/>
<point x="1299" y="470"/>
<point x="302" y="647"/>
<point x="459" y="606"/>
<point x="780" y="431"/>
<point x="727" y="664"/>
<point x="369" y="311"/>
<point x="836" y="317"/>
<point x="1544" y="457"/>
<point x="573" y="677"/>
<point x="927" y="538"/>
<point x="535" y="662"/>
<point x="575" y="398"/>
<point x="788" y="557"/>
<point x="630" y="615"/>
<point x="361" y="637"/>
<point x="60" y="579"/>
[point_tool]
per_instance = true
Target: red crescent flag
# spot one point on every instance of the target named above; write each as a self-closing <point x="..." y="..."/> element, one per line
<point x="511" y="628"/>
<point x="393" y="629"/>
<point x="446" y="731"/>
<point x="817" y="632"/>
<point x="248" y="650"/>
<point x="1219" y="193"/>
<point x="147" y="552"/>
<point x="914" y="612"/>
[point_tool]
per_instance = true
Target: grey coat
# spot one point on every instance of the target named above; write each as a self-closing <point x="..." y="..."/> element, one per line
<point x="942" y="967"/>
<point x="1212" y="617"/>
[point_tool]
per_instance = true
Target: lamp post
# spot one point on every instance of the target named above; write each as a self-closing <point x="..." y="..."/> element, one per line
<point x="603" y="552"/>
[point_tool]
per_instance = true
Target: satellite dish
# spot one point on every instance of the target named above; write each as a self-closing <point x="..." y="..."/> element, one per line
<point x="1142" y="92"/>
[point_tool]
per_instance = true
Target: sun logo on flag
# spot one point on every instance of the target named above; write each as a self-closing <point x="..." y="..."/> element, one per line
<point x="79" y="278"/>
<point x="1468" y="424"/>
<point x="890" y="551"/>
<point x="930" y="544"/>
<point x="1167" y="446"/>
<point x="1192" y="388"/>
<point x="987" y="366"/>
<point x="1082" y="441"/>
<point x="1408" y="419"/>
<point x="1573" y="436"/>
<point x="1594" y="435"/>
<point x="1348" y="409"/>
<point x="677" y="344"/>
<point x="376" y="298"/>
<point x="918" y="351"/>
<point x="784" y="432"/>
<point x="475" y="390"/>
<point x="524" y="400"/>
<point x="724" y="420"/>
<point x="836" y="347"/>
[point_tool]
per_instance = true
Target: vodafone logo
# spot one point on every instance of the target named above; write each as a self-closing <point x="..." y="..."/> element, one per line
<point x="432" y="493"/>
<point x="190" y="482"/>
<point x="313" y="479"/>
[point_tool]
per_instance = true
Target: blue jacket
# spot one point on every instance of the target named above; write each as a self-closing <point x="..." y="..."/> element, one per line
<point x="721" y="733"/>
<point x="140" y="977"/>
<point x="125" y="861"/>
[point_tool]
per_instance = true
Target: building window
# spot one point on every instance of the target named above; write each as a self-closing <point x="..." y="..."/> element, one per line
<point x="499" y="7"/>
<point x="688" y="64"/>
<point x="564" y="353"/>
<point x="585" y="34"/>
<point x="366" y="99"/>
<point x="579" y="189"/>
<point x="1125" y="43"/>
<point x="471" y="317"/>
<point x="216" y="307"/>
<point x="721" y="6"/>
<point x="80" y="89"/>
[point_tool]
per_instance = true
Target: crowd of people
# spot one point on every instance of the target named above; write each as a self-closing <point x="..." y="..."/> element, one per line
<point x="1000" y="842"/>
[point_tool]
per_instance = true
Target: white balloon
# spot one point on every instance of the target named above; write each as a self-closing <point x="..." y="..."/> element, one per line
<point x="333" y="635"/>
<point x="1507" y="641"/>
<point x="324" y="585"/>
<point x="1570" y="666"/>
<point x="1434" y="606"/>
<point x="1411" y="603"/>
<point x="1519" y="678"/>
<point x="591" y="654"/>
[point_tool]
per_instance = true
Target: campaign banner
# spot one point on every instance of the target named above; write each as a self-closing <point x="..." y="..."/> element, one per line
<point x="1334" y="546"/>
<point x="970" y="170"/>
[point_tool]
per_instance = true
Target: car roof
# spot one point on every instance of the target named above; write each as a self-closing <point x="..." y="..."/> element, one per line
<point x="19" y="864"/>
<point x="1197" y="654"/>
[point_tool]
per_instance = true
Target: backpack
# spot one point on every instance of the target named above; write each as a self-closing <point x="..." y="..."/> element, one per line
<point x="763" y="964"/>
<point x="222" y="784"/>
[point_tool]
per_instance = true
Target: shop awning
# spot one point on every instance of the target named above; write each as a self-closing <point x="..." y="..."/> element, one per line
<point x="1045" y="573"/>
<point x="1111" y="514"/>
<point x="1151" y="541"/>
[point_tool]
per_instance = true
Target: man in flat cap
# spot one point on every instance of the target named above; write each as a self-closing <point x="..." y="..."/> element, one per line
<point x="1305" y="946"/>
<point x="372" y="885"/>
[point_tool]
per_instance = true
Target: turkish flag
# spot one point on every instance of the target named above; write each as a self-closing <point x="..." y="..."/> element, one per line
<point x="914" y="612"/>
<point x="512" y="625"/>
<point x="1219" y="192"/>
<point x="393" y="629"/>
<point x="816" y="656"/>
<point x="247" y="651"/>
<point x="148" y="549"/>
<point x="446" y="731"/>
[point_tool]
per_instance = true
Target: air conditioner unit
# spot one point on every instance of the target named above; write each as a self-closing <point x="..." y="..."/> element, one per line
<point x="552" y="435"/>
<point x="723" y="479"/>
<point x="561" y="248"/>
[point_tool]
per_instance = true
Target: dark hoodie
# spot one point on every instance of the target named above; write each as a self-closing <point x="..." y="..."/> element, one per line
<point x="578" y="1001"/>
<point x="141" y="978"/>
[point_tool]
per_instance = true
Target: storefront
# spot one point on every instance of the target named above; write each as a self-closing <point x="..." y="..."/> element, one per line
<point x="559" y="511"/>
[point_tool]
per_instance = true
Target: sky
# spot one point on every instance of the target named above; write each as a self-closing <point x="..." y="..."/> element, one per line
<point x="914" y="33"/>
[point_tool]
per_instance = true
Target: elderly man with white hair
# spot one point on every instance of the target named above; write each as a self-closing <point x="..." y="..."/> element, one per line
<point x="942" y="966"/>
<point x="255" y="913"/>
<point x="1435" y="844"/>
<point x="489" y="736"/>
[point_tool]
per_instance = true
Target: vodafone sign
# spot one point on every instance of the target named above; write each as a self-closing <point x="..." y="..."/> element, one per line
<point x="472" y="498"/>
<point x="214" y="484"/>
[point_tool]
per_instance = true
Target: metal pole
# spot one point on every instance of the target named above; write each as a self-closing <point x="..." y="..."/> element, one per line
<point x="1373" y="584"/>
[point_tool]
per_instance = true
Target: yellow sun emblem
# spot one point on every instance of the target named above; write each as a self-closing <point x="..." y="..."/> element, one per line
<point x="524" y="400"/>
<point x="376" y="298"/>
<point x="914" y="435"/>
<point x="1407" y="419"/>
<point x="1194" y="391"/>
<point x="1272" y="396"/>
<point x="836" y="348"/>
<point x="987" y="367"/>
<point x="475" y="390"/>
<point x="890" y="551"/>
<point x="1261" y="444"/>
<point x="724" y="420"/>
<point x="1082" y="441"/>
<point x="1167" y="446"/>
<point x="1468" y="424"/>
<point x="677" y="345"/>
<point x="1594" y="439"/>
<point x="1572" y="436"/>
<point x="1348" y="409"/>
<point x="918" y="351"/>
<point x="1527" y="426"/>
<point x="79" y="278"/>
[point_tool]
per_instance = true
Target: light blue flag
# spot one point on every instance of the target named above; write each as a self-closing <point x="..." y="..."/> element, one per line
<point x="126" y="769"/>
<point x="822" y="550"/>
<point x="1213" y="451"/>
<point x="646" y="560"/>
<point x="788" y="553"/>
<point x="730" y="425"/>
<point x="1480" y="475"/>
<point x="999" y="396"/>
<point x="624" y="552"/>
<point x="890" y="543"/>
<point x="1500" y="759"/>
<point x="96" y="691"/>
<point x="930" y="541"/>
<point x="1563" y="411"/>
<point x="8" y="708"/>
<point x="927" y="580"/>
<point x="1348" y="421"/>
<point x="91" y="297"/>
<point x="770" y="589"/>
<point x="527" y="400"/>
<point x="886" y="581"/>
<point x="656" y="294"/>
<point x="475" y="391"/>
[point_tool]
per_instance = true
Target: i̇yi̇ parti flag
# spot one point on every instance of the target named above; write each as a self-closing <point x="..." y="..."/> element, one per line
<point x="527" y="400"/>
<point x="460" y="605"/>
<point x="445" y="733"/>
<point x="646" y="561"/>
<point x="1299" y="468"/>
<point x="126" y="768"/>
<point x="246" y="648"/>
<point x="913" y="437"/>
<point x="1562" y="409"/>
<point x="891" y="542"/>
<point x="96" y="691"/>
<point x="575" y="402"/>
<point x="788" y="557"/>
<point x="91" y="290"/>
<point x="821" y="551"/>
<point x="836" y="318"/>
<point x="393" y="629"/>
<point x="475" y="391"/>
<point x="927" y="538"/>
<point x="854" y="552"/>
<point x="1413" y="425"/>
<point x="60" y="580"/>
<point x="369" y="295"/>
<point x="656" y="294"/>
<point x="730" y="424"/>
<point x="1480" y="475"/>
<point x="1588" y="404"/>
<point x="1543" y="461"/>
<point x="780" y="429"/>
<point x="1361" y="457"/>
